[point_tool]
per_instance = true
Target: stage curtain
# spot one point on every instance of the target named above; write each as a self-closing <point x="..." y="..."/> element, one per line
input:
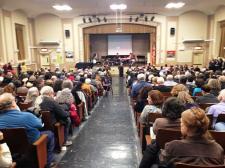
<point x="222" y="41"/>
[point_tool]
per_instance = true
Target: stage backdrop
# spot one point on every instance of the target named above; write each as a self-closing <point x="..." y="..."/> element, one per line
<point x="107" y="44"/>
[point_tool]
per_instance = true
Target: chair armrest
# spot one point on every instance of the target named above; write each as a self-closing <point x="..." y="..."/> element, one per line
<point x="41" y="150"/>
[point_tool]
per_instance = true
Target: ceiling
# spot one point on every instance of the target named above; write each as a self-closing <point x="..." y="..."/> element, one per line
<point x="96" y="7"/>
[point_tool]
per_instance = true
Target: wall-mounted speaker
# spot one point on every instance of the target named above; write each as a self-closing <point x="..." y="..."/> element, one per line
<point x="172" y="31"/>
<point x="67" y="33"/>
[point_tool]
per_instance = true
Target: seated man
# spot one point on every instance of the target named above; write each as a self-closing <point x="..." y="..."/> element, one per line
<point x="207" y="96"/>
<point x="46" y="102"/>
<point x="11" y="117"/>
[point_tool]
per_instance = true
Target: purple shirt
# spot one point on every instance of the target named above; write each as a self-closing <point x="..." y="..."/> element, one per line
<point x="216" y="109"/>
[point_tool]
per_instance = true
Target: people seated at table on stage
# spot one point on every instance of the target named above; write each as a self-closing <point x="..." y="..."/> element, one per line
<point x="131" y="57"/>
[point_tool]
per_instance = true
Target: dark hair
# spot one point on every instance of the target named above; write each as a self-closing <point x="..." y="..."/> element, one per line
<point x="57" y="86"/>
<point x="199" y="82"/>
<point x="190" y="78"/>
<point x="183" y="79"/>
<point x="144" y="92"/>
<point x="156" y="96"/>
<point x="172" y="108"/>
<point x="17" y="83"/>
<point x="206" y="88"/>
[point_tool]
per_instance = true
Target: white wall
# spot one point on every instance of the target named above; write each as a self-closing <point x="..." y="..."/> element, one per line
<point x="218" y="17"/>
<point x="191" y="25"/>
<point x="48" y="27"/>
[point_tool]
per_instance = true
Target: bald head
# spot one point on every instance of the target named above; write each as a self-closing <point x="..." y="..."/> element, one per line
<point x="7" y="101"/>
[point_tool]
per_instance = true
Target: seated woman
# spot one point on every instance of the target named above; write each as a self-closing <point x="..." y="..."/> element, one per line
<point x="186" y="99"/>
<point x="141" y="99"/>
<point x="32" y="94"/>
<point x="217" y="109"/>
<point x="155" y="101"/>
<point x="192" y="149"/>
<point x="171" y="111"/>
<point x="215" y="86"/>
<point x="178" y="88"/>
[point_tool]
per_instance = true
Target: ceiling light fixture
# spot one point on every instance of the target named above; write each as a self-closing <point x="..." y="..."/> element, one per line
<point x="62" y="7"/>
<point x="118" y="6"/>
<point x="175" y="5"/>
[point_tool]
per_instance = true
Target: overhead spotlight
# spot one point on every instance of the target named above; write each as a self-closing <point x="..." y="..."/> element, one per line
<point x="146" y="18"/>
<point x="90" y="19"/>
<point x="152" y="18"/>
<point x="84" y="20"/>
<point x="105" y="20"/>
<point x="98" y="19"/>
<point x="130" y="19"/>
<point x="137" y="18"/>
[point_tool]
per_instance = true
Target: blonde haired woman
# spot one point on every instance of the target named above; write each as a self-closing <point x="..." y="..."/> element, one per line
<point x="186" y="99"/>
<point x="215" y="86"/>
<point x="178" y="88"/>
<point x="192" y="149"/>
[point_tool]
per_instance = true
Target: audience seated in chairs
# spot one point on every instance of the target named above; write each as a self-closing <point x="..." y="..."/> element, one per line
<point x="207" y="97"/>
<point x="186" y="99"/>
<point x="215" y="86"/>
<point x="171" y="111"/>
<point x="160" y="85"/>
<point x="139" y="85"/>
<point x="142" y="99"/>
<point x="155" y="101"/>
<point x="11" y="117"/>
<point x="217" y="109"/>
<point x="199" y="83"/>
<point x="45" y="102"/>
<point x="191" y="150"/>
<point x="32" y="95"/>
<point x="178" y="88"/>
<point x="169" y="81"/>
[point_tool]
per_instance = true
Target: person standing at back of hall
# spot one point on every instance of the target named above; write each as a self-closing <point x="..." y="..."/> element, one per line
<point x="120" y="67"/>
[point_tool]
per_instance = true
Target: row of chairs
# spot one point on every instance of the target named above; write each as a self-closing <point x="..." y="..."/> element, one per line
<point x="37" y="151"/>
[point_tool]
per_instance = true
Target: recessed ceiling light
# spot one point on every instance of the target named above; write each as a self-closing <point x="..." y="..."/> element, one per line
<point x="175" y="5"/>
<point x="62" y="7"/>
<point x="118" y="6"/>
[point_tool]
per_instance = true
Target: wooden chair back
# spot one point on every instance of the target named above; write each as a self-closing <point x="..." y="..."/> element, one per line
<point x="152" y="117"/>
<point x="16" y="139"/>
<point x="221" y="118"/>
<point x="204" y="106"/>
<point x="219" y="137"/>
<point x="24" y="105"/>
<point x="80" y="108"/>
<point x="21" y="94"/>
<point x="57" y="128"/>
<point x="210" y="117"/>
<point x="166" y="135"/>
<point x="21" y="144"/>
<point x="183" y="165"/>
<point x="166" y="95"/>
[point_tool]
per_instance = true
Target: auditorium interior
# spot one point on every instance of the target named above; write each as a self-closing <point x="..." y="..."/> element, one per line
<point x="105" y="47"/>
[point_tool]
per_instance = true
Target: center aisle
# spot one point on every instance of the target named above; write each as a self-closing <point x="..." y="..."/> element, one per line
<point x="108" y="139"/>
